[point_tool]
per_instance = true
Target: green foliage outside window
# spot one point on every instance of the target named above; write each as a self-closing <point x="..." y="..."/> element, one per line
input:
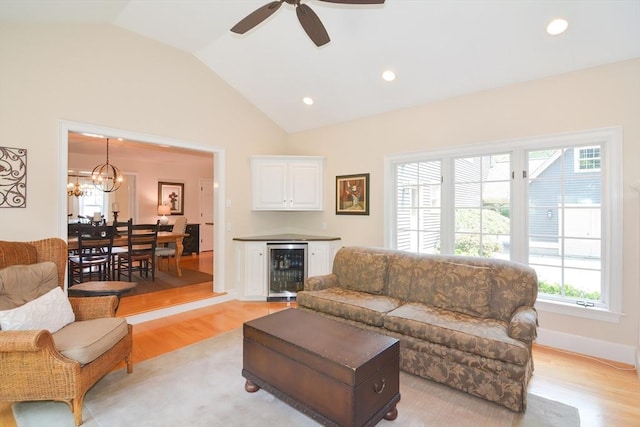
<point x="545" y="287"/>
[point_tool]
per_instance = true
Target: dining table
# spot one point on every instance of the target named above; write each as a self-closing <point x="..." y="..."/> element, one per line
<point x="163" y="238"/>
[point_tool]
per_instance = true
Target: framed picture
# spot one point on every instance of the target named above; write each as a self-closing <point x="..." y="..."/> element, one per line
<point x="352" y="194"/>
<point x="172" y="194"/>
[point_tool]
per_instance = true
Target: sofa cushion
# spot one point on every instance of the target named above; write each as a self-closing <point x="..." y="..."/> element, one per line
<point x="50" y="311"/>
<point x="86" y="340"/>
<point x="454" y="286"/>
<point x="362" y="271"/>
<point x="20" y="284"/>
<point x="358" y="306"/>
<point x="483" y="337"/>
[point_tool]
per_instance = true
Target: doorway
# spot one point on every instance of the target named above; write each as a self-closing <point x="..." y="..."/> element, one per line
<point x="153" y="142"/>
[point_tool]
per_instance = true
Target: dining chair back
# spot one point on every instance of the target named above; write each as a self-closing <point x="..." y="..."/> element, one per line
<point x="93" y="258"/>
<point x="142" y="240"/>
<point x="120" y="229"/>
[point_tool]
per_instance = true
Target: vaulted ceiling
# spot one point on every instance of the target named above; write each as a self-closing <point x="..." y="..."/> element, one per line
<point x="437" y="48"/>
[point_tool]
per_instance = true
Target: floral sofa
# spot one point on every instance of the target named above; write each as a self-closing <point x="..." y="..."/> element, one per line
<point x="463" y="321"/>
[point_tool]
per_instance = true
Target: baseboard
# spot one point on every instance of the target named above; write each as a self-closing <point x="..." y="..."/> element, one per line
<point x="589" y="346"/>
<point x="181" y="308"/>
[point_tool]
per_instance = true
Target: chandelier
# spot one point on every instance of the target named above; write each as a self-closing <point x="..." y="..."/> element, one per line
<point x="106" y="177"/>
<point x="75" y="189"/>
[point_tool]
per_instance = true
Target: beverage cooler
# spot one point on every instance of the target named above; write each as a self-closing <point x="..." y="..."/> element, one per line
<point x="287" y="270"/>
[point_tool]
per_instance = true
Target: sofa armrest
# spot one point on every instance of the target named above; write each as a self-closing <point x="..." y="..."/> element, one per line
<point x="87" y="308"/>
<point x="523" y="324"/>
<point x="317" y="283"/>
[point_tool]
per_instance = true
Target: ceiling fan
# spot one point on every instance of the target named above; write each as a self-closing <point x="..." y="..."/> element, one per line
<point x="307" y="17"/>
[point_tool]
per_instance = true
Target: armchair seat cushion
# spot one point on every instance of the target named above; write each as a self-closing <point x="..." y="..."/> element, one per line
<point x="86" y="340"/>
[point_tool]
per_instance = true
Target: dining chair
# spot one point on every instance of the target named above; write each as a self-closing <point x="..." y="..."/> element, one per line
<point x="93" y="258"/>
<point x="142" y="240"/>
<point x="169" y="250"/>
<point x="119" y="229"/>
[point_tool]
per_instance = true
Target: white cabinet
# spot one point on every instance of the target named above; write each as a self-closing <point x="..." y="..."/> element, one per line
<point x="289" y="183"/>
<point x="252" y="263"/>
<point x="252" y="270"/>
<point x="320" y="257"/>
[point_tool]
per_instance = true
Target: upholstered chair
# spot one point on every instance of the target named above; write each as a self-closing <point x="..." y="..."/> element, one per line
<point x="59" y="348"/>
<point x="169" y="251"/>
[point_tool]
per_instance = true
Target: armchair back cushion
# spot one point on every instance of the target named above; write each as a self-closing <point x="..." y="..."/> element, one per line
<point x="20" y="284"/>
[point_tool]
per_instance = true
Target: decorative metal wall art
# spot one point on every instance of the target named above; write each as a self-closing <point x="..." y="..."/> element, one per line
<point x="13" y="177"/>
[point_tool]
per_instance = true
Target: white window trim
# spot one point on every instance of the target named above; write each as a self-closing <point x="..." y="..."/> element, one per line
<point x="611" y="160"/>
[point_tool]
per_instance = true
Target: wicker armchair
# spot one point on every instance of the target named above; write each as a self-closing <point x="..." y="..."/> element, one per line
<point x="31" y="368"/>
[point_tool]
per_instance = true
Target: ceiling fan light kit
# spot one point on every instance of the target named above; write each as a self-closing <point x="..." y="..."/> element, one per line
<point x="307" y="17"/>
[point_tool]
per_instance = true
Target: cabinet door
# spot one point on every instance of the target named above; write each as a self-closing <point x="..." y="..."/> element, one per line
<point x="270" y="185"/>
<point x="287" y="183"/>
<point x="318" y="258"/>
<point x="305" y="185"/>
<point x="256" y="270"/>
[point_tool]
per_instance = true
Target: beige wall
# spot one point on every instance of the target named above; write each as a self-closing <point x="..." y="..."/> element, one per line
<point x="594" y="98"/>
<point x="109" y="77"/>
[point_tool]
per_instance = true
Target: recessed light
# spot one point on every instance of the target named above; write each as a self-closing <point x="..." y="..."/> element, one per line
<point x="389" y="75"/>
<point x="557" y="26"/>
<point x="307" y="100"/>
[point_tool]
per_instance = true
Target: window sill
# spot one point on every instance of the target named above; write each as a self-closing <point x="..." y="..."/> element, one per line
<point x="578" y="311"/>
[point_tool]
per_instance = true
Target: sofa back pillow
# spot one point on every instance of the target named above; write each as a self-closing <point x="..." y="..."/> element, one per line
<point x="20" y="284"/>
<point x="361" y="270"/>
<point x="458" y="286"/>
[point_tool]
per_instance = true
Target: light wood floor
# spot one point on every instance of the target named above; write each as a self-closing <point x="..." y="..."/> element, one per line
<point x="606" y="393"/>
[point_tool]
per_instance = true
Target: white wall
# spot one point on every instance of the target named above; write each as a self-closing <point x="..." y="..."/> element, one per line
<point x="594" y="98"/>
<point x="109" y="77"/>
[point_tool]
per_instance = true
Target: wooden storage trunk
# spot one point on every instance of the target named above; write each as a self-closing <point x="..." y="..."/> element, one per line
<point x="336" y="373"/>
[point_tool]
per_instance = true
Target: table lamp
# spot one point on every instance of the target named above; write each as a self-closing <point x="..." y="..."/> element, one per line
<point x="164" y="210"/>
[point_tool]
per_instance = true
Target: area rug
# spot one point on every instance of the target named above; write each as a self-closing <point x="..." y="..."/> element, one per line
<point x="168" y="280"/>
<point x="202" y="385"/>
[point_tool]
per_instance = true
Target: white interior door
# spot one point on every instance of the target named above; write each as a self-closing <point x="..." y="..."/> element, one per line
<point x="206" y="214"/>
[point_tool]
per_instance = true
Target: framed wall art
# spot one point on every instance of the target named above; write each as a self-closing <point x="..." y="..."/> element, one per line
<point x="172" y="194"/>
<point x="352" y="194"/>
<point x="13" y="177"/>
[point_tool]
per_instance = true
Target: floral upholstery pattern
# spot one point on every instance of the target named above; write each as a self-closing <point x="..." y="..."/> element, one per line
<point x="463" y="321"/>
<point x="362" y="307"/>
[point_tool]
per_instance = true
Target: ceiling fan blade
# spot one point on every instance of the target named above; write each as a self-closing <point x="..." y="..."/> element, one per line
<point x="256" y="17"/>
<point x="312" y="25"/>
<point x="355" y="1"/>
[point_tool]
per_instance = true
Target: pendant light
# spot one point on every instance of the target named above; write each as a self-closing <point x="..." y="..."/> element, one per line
<point x="106" y="177"/>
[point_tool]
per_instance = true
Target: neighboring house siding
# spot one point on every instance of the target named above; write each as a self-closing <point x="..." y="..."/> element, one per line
<point x="544" y="198"/>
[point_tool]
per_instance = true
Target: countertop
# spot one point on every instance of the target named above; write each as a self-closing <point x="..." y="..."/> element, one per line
<point x="286" y="238"/>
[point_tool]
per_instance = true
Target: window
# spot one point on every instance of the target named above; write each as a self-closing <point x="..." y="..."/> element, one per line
<point x="587" y="159"/>
<point x="549" y="202"/>
<point x="86" y="205"/>
<point x="418" y="207"/>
